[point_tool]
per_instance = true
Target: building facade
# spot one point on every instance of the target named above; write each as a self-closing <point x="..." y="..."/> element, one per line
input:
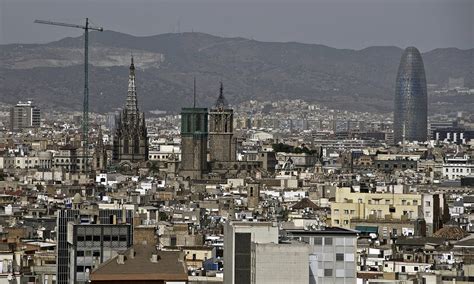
<point x="332" y="257"/>
<point x="130" y="137"/>
<point x="87" y="236"/>
<point x="384" y="205"/>
<point x="24" y="115"/>
<point x="411" y="99"/>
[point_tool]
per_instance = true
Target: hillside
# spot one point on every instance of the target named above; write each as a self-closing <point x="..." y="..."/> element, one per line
<point x="363" y="80"/>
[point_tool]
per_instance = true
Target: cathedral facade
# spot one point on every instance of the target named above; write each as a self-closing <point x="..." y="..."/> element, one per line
<point x="130" y="137"/>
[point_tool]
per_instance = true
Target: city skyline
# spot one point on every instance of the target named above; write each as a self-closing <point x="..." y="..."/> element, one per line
<point x="207" y="159"/>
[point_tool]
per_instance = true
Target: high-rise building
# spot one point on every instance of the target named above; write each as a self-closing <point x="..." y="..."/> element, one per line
<point x="88" y="236"/>
<point x="130" y="137"/>
<point x="221" y="135"/>
<point x="24" y="115"/>
<point x="411" y="99"/>
<point x="194" y="136"/>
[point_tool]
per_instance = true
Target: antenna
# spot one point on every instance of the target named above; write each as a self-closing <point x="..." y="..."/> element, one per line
<point x="194" y="93"/>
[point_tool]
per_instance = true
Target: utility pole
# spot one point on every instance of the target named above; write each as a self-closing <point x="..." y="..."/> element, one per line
<point x="85" y="111"/>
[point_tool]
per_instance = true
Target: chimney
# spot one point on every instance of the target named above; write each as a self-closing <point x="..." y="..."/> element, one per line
<point x="121" y="258"/>
<point x="154" y="258"/>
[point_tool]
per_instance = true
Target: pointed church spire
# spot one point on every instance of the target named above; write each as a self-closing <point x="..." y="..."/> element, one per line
<point x="221" y="102"/>
<point x="132" y="105"/>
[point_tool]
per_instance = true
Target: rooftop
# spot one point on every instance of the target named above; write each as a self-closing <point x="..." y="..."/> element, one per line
<point x="138" y="265"/>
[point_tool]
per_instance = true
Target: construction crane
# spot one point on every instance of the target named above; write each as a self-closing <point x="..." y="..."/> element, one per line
<point x="85" y="113"/>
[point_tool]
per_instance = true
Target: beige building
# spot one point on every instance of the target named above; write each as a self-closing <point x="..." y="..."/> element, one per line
<point x="386" y="205"/>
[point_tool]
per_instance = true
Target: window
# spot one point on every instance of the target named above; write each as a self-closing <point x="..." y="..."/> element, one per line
<point x="427" y="203"/>
<point x="80" y="253"/>
<point x="96" y="253"/>
<point x="318" y="241"/>
<point x="80" y="238"/>
<point x="328" y="241"/>
<point x="88" y="238"/>
<point x="339" y="257"/>
<point x="346" y="222"/>
<point x="96" y="238"/>
<point x="346" y="212"/>
<point x="106" y="238"/>
<point x="336" y="221"/>
<point x="403" y="268"/>
<point x="123" y="238"/>
<point x="327" y="272"/>
<point x="80" y="268"/>
<point x="415" y="268"/>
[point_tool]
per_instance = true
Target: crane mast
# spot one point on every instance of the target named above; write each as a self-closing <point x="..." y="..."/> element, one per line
<point x="85" y="113"/>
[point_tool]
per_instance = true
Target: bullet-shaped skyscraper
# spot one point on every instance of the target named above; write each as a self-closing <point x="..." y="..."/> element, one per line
<point x="411" y="99"/>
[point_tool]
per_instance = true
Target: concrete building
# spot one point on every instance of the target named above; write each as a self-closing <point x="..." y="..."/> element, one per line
<point x="363" y="205"/>
<point x="252" y="254"/>
<point x="279" y="263"/>
<point x="88" y="236"/>
<point x="332" y="255"/>
<point x="24" y="115"/>
<point x="435" y="211"/>
<point x="71" y="159"/>
<point x="455" y="168"/>
<point x="238" y="239"/>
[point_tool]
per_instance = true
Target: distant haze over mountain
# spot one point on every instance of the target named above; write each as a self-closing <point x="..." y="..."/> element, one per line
<point x="363" y="80"/>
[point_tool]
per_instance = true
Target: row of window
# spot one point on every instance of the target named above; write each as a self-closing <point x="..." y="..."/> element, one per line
<point x="95" y="253"/>
<point x="459" y="170"/>
<point x="106" y="238"/>
<point x="344" y="222"/>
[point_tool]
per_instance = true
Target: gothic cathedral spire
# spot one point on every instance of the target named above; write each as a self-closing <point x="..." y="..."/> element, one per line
<point x="132" y="105"/>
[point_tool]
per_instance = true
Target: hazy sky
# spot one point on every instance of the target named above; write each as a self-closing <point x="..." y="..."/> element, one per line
<point x="356" y="24"/>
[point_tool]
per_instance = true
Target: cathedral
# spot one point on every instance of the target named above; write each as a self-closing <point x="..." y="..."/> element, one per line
<point x="130" y="137"/>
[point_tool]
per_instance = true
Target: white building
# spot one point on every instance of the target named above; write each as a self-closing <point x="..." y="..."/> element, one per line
<point x="456" y="167"/>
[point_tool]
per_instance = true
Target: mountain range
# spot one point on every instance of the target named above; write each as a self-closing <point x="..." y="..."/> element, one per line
<point x="359" y="80"/>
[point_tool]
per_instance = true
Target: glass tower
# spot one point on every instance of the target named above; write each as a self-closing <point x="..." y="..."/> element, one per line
<point x="411" y="99"/>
